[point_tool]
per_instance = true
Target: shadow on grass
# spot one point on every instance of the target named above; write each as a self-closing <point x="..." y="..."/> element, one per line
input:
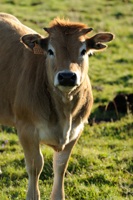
<point x="121" y="105"/>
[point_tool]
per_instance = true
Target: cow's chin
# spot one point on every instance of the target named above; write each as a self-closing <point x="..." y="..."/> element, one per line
<point x="66" y="92"/>
<point x="66" y="89"/>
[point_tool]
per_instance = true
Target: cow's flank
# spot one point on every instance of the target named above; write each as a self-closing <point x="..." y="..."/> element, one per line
<point x="45" y="91"/>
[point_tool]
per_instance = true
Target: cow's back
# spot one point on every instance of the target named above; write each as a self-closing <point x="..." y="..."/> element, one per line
<point x="13" y="57"/>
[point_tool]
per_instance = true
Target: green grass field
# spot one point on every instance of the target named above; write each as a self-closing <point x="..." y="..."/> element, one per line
<point x="101" y="166"/>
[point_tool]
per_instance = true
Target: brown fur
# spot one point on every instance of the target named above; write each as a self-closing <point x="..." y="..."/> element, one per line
<point x="66" y="26"/>
<point x="29" y="100"/>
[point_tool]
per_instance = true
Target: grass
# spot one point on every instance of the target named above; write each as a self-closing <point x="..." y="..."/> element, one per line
<point x="101" y="166"/>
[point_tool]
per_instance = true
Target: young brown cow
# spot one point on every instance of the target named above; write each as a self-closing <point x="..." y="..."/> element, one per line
<point x="45" y="91"/>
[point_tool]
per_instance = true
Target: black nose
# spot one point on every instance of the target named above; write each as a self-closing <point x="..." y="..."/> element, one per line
<point x="67" y="78"/>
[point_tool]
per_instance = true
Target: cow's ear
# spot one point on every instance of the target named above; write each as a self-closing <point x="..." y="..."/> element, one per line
<point x="35" y="43"/>
<point x="95" y="43"/>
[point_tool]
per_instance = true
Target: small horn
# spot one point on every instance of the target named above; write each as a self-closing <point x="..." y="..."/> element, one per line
<point x="84" y="31"/>
<point x="47" y="30"/>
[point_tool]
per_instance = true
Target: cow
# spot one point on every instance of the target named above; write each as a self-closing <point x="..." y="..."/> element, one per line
<point x="45" y="91"/>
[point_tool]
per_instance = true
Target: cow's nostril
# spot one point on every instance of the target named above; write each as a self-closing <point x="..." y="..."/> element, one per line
<point x="67" y="78"/>
<point x="60" y="77"/>
<point x="73" y="78"/>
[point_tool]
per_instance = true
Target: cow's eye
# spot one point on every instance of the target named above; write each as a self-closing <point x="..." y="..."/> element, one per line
<point x="50" y="52"/>
<point x="83" y="52"/>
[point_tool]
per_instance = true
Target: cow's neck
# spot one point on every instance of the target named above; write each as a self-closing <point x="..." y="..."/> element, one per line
<point x="63" y="117"/>
<point x="63" y="105"/>
<point x="66" y="116"/>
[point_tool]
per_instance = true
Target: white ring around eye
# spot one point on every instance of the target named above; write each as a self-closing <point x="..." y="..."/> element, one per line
<point x="51" y="50"/>
<point x="82" y="48"/>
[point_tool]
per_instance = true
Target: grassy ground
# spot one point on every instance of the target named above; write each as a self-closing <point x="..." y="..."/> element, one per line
<point x="101" y="167"/>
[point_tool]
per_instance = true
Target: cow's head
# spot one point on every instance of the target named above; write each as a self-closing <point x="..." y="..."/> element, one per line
<point x="67" y="47"/>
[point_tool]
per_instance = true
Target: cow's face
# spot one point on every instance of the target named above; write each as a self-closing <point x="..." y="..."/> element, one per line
<point x="67" y="55"/>
<point x="67" y="61"/>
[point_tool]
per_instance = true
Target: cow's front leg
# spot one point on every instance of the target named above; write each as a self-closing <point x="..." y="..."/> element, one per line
<point x="34" y="161"/>
<point x="60" y="162"/>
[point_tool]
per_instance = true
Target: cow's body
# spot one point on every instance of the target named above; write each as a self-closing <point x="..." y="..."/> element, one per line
<point x="48" y="100"/>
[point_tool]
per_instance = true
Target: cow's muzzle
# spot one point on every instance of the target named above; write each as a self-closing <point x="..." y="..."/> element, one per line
<point x="67" y="79"/>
